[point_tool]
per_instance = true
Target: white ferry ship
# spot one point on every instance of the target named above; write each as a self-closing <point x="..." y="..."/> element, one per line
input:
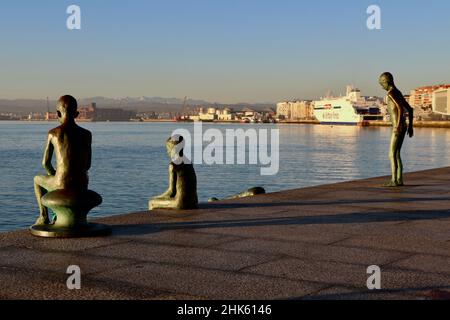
<point x="353" y="109"/>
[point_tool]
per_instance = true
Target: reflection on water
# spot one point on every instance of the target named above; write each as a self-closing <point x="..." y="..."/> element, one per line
<point x="130" y="162"/>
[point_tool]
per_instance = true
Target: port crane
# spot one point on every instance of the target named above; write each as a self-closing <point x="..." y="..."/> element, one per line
<point x="182" y="115"/>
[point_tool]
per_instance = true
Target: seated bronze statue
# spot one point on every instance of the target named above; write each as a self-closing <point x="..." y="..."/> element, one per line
<point x="182" y="191"/>
<point x="65" y="189"/>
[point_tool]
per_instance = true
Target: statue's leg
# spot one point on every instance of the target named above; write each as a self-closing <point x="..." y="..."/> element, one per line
<point x="42" y="184"/>
<point x="392" y="158"/>
<point x="398" y="159"/>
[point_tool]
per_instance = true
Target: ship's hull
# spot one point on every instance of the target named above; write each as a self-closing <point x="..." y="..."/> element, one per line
<point x="337" y="114"/>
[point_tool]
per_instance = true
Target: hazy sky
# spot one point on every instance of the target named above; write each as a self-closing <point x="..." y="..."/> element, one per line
<point x="219" y="50"/>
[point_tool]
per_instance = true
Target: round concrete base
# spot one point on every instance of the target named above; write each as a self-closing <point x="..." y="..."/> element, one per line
<point x="90" y="230"/>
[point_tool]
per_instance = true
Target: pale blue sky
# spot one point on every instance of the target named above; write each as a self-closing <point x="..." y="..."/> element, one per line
<point x="219" y="50"/>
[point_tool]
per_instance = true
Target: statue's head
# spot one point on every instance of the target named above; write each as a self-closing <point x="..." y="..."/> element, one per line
<point x="386" y="80"/>
<point x="67" y="109"/>
<point x="175" y="147"/>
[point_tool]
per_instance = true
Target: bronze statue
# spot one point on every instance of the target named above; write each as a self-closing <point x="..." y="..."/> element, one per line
<point x="397" y="106"/>
<point x="65" y="189"/>
<point x="246" y="194"/>
<point x="182" y="191"/>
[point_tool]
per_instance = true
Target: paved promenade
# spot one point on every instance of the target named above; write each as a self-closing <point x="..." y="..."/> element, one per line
<point x="313" y="243"/>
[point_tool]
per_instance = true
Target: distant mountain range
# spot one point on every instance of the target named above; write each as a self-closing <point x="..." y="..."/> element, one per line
<point x="138" y="104"/>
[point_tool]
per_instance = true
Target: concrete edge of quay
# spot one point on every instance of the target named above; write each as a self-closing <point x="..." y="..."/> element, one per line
<point x="313" y="243"/>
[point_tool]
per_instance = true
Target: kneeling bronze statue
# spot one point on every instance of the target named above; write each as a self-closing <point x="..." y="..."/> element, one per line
<point x="182" y="191"/>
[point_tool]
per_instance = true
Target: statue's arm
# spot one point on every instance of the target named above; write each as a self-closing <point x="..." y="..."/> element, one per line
<point x="396" y="98"/>
<point x="48" y="154"/>
<point x="171" y="191"/>
<point x="89" y="156"/>
<point x="410" y="113"/>
<point x="172" y="181"/>
<point x="411" y="119"/>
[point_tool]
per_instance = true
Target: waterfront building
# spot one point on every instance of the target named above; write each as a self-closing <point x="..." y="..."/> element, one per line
<point x="268" y="115"/>
<point x="35" y="116"/>
<point x="10" y="116"/>
<point x="422" y="97"/>
<point x="441" y="101"/>
<point x="295" y="110"/>
<point x="284" y="110"/>
<point x="112" y="114"/>
<point x="205" y="114"/>
<point x="226" y="114"/>
<point x="87" y="112"/>
<point x="51" y="116"/>
<point x="150" y="115"/>
<point x="90" y="112"/>
<point x="249" y="115"/>
<point x="301" y="110"/>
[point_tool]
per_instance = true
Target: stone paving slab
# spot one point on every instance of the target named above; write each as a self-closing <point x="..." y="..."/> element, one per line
<point x="213" y="284"/>
<point x="312" y="243"/>
<point x="41" y="260"/>
<point x="400" y="242"/>
<point x="196" y="257"/>
<point x="315" y="252"/>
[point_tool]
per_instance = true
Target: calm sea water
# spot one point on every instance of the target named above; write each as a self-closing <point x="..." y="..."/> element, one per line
<point x="130" y="162"/>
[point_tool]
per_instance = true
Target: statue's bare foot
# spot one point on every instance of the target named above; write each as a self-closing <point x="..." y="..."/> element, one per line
<point x="391" y="184"/>
<point x="400" y="184"/>
<point x="151" y="204"/>
<point x="42" y="221"/>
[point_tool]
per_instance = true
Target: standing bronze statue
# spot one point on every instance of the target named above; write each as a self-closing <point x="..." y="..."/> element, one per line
<point x="182" y="191"/>
<point x="397" y="107"/>
<point x="65" y="189"/>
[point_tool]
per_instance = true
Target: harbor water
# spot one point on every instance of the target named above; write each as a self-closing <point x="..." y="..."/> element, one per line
<point x="130" y="162"/>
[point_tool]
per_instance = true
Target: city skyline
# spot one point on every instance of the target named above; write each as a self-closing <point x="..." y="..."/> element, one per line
<point x="228" y="52"/>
